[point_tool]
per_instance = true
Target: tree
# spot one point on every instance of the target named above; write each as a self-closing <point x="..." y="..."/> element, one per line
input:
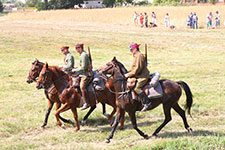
<point x="1" y="7"/>
<point x="109" y="3"/>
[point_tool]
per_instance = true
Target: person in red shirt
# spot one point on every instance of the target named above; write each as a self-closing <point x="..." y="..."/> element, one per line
<point x="141" y="19"/>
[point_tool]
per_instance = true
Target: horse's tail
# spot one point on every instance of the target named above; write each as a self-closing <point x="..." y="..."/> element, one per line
<point x="189" y="96"/>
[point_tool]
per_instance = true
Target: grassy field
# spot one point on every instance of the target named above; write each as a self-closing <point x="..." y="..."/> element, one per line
<point x="194" y="56"/>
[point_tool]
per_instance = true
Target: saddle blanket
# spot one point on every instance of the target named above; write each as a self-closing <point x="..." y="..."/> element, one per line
<point x="155" y="88"/>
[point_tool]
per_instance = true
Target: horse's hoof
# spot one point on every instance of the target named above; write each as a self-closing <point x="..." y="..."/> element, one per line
<point x="83" y="122"/>
<point x="107" y="140"/>
<point x="76" y="129"/>
<point x="63" y="126"/>
<point x="121" y="128"/>
<point x="146" y="137"/>
<point x="189" y="130"/>
<point x="107" y="115"/>
<point x="42" y="127"/>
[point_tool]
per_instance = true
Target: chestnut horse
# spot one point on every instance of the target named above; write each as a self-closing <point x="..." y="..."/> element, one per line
<point x="68" y="95"/>
<point x="171" y="94"/>
<point x="52" y="95"/>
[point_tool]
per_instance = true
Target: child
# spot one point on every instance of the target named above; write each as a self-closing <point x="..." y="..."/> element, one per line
<point x="167" y="20"/>
<point x="188" y="22"/>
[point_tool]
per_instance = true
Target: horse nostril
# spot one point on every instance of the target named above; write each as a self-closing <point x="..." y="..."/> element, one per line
<point x="29" y="81"/>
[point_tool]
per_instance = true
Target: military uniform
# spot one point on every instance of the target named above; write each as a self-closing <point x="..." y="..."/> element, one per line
<point x="139" y="71"/>
<point x="68" y="62"/>
<point x="85" y="70"/>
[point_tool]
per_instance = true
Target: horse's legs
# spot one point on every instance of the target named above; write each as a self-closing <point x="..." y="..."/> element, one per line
<point x="104" y="110"/>
<point x="62" y="109"/>
<point x="122" y="121"/>
<point x="87" y="115"/>
<point x="181" y="112"/>
<point x="134" y="123"/>
<point x="58" y="105"/>
<point x="115" y="124"/>
<point x="111" y="115"/>
<point x="168" y="117"/>
<point x="50" y="105"/>
<point x="74" y="110"/>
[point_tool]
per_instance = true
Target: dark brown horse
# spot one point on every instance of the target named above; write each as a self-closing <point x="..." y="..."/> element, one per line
<point x="171" y="94"/>
<point x="68" y="95"/>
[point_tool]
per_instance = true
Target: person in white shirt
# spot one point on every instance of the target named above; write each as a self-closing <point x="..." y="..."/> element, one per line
<point x="195" y="21"/>
<point x="217" y="19"/>
<point x="167" y="20"/>
<point x="153" y="18"/>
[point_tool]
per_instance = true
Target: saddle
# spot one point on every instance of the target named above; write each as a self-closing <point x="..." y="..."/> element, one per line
<point x="152" y="89"/>
<point x="97" y="82"/>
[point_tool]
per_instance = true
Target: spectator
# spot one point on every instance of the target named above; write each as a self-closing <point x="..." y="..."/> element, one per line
<point x="188" y="22"/>
<point x="167" y="20"/>
<point x="141" y="19"/>
<point x="146" y="20"/>
<point x="135" y="17"/>
<point x="210" y="17"/>
<point x="153" y="18"/>
<point x="191" y="17"/>
<point x="195" y="21"/>
<point x="217" y="19"/>
<point x="208" y="22"/>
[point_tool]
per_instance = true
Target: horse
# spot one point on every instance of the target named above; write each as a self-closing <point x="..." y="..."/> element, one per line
<point x="50" y="93"/>
<point x="69" y="95"/>
<point x="171" y="94"/>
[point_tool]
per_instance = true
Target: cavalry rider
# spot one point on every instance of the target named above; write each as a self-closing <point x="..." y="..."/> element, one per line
<point x="68" y="60"/>
<point x="85" y="72"/>
<point x="140" y="71"/>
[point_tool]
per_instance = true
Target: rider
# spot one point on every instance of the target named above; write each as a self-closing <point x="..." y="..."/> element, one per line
<point x="140" y="71"/>
<point x="68" y="60"/>
<point x="85" y="72"/>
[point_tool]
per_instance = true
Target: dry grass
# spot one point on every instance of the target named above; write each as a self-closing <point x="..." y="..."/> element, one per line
<point x="123" y="16"/>
<point x="194" y="56"/>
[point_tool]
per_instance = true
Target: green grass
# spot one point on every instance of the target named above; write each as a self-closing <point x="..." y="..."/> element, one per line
<point x="196" y="57"/>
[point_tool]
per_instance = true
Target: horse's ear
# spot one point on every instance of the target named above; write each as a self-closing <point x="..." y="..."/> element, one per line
<point x="114" y="59"/>
<point x="46" y="65"/>
<point x="36" y="60"/>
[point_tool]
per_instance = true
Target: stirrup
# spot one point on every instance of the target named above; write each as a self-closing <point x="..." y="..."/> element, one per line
<point x="85" y="106"/>
<point x="146" y="107"/>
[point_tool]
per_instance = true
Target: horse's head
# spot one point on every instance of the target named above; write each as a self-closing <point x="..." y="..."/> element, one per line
<point x="34" y="71"/>
<point x="45" y="77"/>
<point x="109" y="68"/>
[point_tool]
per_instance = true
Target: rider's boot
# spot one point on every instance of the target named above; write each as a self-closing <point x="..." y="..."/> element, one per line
<point x="86" y="100"/>
<point x="146" y="101"/>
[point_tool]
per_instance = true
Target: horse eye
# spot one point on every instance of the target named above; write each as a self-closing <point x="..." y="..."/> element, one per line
<point x="32" y="70"/>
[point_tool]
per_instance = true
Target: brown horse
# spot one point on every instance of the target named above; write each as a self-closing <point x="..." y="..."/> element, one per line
<point x="68" y="95"/>
<point x="52" y="96"/>
<point x="50" y="92"/>
<point x="171" y="94"/>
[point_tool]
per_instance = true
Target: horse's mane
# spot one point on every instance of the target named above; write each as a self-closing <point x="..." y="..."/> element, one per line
<point x="39" y="62"/>
<point x="59" y="71"/>
<point x="123" y="70"/>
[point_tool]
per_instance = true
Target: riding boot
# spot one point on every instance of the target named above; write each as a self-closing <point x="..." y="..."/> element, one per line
<point x="86" y="100"/>
<point x="146" y="101"/>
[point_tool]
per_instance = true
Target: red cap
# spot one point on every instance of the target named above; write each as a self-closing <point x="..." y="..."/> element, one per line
<point x="64" y="47"/>
<point x="79" y="46"/>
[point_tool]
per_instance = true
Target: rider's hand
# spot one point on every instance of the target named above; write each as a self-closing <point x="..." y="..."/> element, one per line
<point x="126" y="75"/>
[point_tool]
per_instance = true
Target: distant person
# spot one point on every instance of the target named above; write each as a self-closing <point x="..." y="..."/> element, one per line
<point x="167" y="20"/>
<point x="217" y="19"/>
<point x="146" y="20"/>
<point x="68" y="60"/>
<point x="208" y="22"/>
<point x="188" y="22"/>
<point x="191" y="17"/>
<point x="135" y="17"/>
<point x="194" y="21"/>
<point x="153" y="18"/>
<point x="210" y="17"/>
<point x="141" y="19"/>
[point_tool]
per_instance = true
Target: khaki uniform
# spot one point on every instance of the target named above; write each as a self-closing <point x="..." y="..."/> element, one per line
<point x="139" y="71"/>
<point x="85" y="70"/>
<point x="69" y="63"/>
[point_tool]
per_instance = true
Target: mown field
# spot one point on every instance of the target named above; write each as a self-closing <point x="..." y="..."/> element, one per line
<point x="194" y="56"/>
